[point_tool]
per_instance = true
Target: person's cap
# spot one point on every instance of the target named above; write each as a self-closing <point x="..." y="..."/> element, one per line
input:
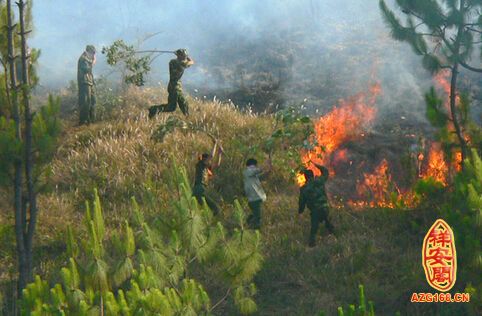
<point x="205" y="156"/>
<point x="90" y="49"/>
<point x="251" y="162"/>
<point x="181" y="52"/>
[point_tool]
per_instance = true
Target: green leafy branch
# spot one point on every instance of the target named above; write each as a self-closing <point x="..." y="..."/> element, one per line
<point x="137" y="63"/>
<point x="292" y="133"/>
<point x="143" y="268"/>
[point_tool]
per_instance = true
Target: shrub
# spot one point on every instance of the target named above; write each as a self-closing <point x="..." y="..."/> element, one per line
<point x="144" y="267"/>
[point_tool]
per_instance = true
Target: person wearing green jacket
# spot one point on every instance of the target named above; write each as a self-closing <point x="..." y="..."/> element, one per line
<point x="85" y="83"/>
<point x="174" y="88"/>
<point x="313" y="195"/>
<point x="203" y="174"/>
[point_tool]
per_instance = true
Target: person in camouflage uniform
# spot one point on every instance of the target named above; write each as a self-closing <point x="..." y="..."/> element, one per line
<point x="313" y="195"/>
<point x="204" y="172"/>
<point x="85" y="82"/>
<point x="174" y="88"/>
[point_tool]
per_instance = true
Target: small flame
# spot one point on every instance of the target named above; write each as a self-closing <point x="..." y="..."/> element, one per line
<point x="437" y="167"/>
<point x="375" y="187"/>
<point x="340" y="155"/>
<point x="379" y="190"/>
<point x="458" y="161"/>
<point x="300" y="179"/>
<point x="442" y="82"/>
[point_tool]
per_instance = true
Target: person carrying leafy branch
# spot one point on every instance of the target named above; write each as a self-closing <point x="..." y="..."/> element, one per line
<point x="254" y="191"/>
<point x="313" y="195"/>
<point x="85" y="82"/>
<point x="204" y="172"/>
<point x="174" y="88"/>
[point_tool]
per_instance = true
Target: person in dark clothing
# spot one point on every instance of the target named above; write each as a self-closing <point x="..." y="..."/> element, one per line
<point x="174" y="88"/>
<point x="204" y="172"/>
<point x="313" y="195"/>
<point x="86" y="85"/>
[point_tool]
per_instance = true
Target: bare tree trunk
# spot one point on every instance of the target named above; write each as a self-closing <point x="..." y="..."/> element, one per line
<point x="29" y="163"/>
<point x="19" y="224"/>
<point x="453" y="88"/>
<point x="8" y="113"/>
<point x="453" y="110"/>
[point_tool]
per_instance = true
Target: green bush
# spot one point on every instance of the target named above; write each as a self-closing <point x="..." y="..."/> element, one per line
<point x="430" y="190"/>
<point x="363" y="309"/>
<point x="464" y="213"/>
<point x="143" y="268"/>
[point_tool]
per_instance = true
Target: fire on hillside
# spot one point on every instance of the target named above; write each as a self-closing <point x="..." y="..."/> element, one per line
<point x="367" y="168"/>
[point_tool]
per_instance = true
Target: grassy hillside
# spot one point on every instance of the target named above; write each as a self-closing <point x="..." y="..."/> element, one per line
<point x="380" y="248"/>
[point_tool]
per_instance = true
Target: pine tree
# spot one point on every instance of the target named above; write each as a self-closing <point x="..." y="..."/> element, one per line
<point x="4" y="61"/>
<point x="27" y="141"/>
<point x="464" y="213"/>
<point x="445" y="34"/>
<point x="144" y="268"/>
<point x="363" y="309"/>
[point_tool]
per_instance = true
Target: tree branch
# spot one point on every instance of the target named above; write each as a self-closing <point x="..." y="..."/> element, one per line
<point x="419" y="24"/>
<point x="221" y="300"/>
<point x="430" y="34"/>
<point x="474" y="30"/>
<point x="472" y="24"/>
<point x="150" y="51"/>
<point x="149" y="36"/>
<point x="463" y="64"/>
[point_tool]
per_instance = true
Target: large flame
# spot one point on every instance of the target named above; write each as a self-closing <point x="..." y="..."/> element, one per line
<point x="347" y="121"/>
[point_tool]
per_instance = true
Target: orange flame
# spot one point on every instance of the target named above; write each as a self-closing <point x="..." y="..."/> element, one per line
<point x="344" y="122"/>
<point x="442" y="82"/>
<point x="348" y="121"/>
<point x="379" y="190"/>
<point x="375" y="188"/>
<point x="437" y="167"/>
<point x="340" y="155"/>
<point x="300" y="179"/>
<point x="458" y="161"/>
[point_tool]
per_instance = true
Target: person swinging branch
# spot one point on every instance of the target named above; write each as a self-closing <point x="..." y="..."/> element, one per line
<point x="313" y="194"/>
<point x="174" y="88"/>
<point x="204" y="172"/>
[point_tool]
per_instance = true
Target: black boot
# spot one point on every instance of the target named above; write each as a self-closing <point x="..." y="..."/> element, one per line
<point x="153" y="110"/>
<point x="311" y="242"/>
<point x="330" y="227"/>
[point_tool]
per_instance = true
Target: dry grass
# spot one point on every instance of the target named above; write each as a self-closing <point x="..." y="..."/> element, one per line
<point x="379" y="248"/>
<point x="119" y="157"/>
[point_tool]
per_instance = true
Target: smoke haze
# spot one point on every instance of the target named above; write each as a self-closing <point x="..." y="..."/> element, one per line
<point x="309" y="49"/>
